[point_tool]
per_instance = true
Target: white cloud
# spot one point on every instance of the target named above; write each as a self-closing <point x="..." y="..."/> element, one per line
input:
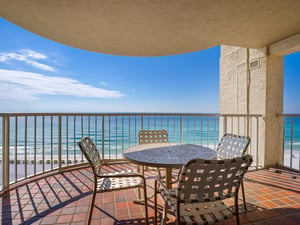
<point x="33" y="54"/>
<point x="26" y="86"/>
<point x="104" y="84"/>
<point x="27" y="56"/>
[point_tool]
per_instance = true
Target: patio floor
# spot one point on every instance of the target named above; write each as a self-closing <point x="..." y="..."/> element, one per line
<point x="273" y="197"/>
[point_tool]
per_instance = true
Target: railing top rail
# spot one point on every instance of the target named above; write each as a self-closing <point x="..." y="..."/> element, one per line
<point x="127" y="114"/>
<point x="289" y="115"/>
<point x="241" y="115"/>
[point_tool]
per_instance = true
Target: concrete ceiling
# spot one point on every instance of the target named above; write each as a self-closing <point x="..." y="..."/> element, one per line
<point x="156" y="27"/>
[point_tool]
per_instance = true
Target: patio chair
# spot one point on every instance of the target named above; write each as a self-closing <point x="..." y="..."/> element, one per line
<point x="111" y="181"/>
<point x="153" y="136"/>
<point x="202" y="187"/>
<point x="231" y="146"/>
<point x="150" y="137"/>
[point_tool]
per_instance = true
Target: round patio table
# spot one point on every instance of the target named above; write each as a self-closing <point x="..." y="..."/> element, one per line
<point x="167" y="155"/>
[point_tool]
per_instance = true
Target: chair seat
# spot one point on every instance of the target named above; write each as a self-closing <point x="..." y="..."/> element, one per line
<point x="117" y="183"/>
<point x="199" y="213"/>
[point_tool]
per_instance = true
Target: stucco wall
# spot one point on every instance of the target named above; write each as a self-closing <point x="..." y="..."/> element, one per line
<point x="251" y="82"/>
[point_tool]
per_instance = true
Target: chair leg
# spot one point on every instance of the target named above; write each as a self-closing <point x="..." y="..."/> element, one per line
<point x="91" y="208"/>
<point x="164" y="216"/>
<point x="236" y="203"/>
<point x="146" y="204"/>
<point x="138" y="169"/>
<point x="243" y="194"/>
<point x="155" y="201"/>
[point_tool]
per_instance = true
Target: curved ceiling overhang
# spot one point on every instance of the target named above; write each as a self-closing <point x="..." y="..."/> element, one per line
<point x="156" y="27"/>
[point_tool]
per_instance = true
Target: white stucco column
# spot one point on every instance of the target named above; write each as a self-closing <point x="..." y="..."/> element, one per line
<point x="251" y="82"/>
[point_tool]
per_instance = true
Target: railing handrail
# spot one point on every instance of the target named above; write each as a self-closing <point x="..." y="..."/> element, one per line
<point x="129" y="113"/>
<point x="289" y="115"/>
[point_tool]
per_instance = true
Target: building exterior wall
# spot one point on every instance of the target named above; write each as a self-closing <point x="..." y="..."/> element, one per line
<point x="251" y="82"/>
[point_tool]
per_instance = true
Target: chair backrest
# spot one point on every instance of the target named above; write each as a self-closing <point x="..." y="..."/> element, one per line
<point x="210" y="180"/>
<point x="153" y="136"/>
<point x="91" y="154"/>
<point x="232" y="145"/>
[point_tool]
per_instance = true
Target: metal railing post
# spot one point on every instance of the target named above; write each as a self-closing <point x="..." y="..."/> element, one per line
<point x="102" y="139"/>
<point x="180" y="128"/>
<point x="59" y="143"/>
<point x="5" y="153"/>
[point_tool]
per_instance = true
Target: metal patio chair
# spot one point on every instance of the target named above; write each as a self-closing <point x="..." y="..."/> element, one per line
<point x="202" y="187"/>
<point x="151" y="137"/>
<point x="230" y="146"/>
<point x="111" y="181"/>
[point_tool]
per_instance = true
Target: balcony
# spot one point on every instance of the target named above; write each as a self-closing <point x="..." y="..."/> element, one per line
<point x="45" y="179"/>
<point x="63" y="198"/>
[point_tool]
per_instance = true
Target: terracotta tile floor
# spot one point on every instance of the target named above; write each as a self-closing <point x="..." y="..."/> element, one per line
<point x="273" y="197"/>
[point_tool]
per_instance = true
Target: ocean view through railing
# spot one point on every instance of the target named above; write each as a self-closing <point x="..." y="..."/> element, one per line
<point x="291" y="136"/>
<point x="34" y="143"/>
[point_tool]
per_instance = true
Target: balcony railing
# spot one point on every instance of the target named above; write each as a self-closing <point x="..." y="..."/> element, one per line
<point x="35" y="143"/>
<point x="291" y="143"/>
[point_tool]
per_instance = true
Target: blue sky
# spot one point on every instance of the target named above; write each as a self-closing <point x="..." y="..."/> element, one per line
<point x="39" y="75"/>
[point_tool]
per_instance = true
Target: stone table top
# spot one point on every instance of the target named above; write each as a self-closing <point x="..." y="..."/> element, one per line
<point x="168" y="155"/>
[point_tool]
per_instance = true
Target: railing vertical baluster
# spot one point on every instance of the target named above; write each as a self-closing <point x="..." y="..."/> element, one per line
<point x="59" y="130"/>
<point x="257" y="135"/>
<point x="142" y="122"/>
<point x="215" y="128"/>
<point x="43" y="143"/>
<point x="109" y="152"/>
<point x="246" y="133"/>
<point x="5" y="152"/>
<point x="51" y="139"/>
<point x="67" y="139"/>
<point x="201" y="130"/>
<point x="81" y="125"/>
<point x="187" y="128"/>
<point x="122" y="133"/>
<point x="96" y="129"/>
<point x="74" y="142"/>
<point x="208" y="131"/>
<point x="180" y="128"/>
<point x="102" y="138"/>
<point x="34" y="144"/>
<point x="82" y="131"/>
<point x="224" y="124"/>
<point x="238" y="126"/>
<point x="135" y="131"/>
<point x="174" y="128"/>
<point x="292" y="141"/>
<point x="283" y="142"/>
<point x="249" y="133"/>
<point x="161" y="123"/>
<point x="194" y="129"/>
<point x="89" y="125"/>
<point x="16" y="148"/>
<point x="168" y="123"/>
<point x="231" y="128"/>
<point x="116" y="136"/>
<point x="129" y="126"/>
<point x="25" y="147"/>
